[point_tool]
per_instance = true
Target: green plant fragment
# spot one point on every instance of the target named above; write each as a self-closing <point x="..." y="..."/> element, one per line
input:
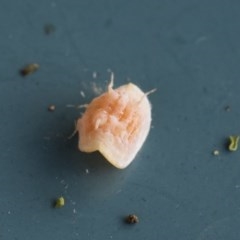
<point x="233" y="145"/>
<point x="60" y="202"/>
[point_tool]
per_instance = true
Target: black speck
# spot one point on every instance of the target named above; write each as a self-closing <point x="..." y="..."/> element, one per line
<point x="108" y="23"/>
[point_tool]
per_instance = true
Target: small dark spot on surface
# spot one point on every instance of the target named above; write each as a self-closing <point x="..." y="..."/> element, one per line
<point x="49" y="28"/>
<point x="108" y="23"/>
<point x="205" y="90"/>
<point x="182" y="164"/>
<point x="227" y="108"/>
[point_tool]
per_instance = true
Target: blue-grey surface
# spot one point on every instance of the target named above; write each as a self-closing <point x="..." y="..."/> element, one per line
<point x="188" y="50"/>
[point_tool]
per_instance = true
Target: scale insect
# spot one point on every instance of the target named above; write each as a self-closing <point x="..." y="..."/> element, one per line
<point x="116" y="123"/>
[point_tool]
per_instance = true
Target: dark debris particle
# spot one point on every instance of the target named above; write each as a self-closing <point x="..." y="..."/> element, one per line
<point x="49" y="28"/>
<point x="29" y="69"/>
<point x="227" y="108"/>
<point x="51" y="108"/>
<point x="132" y="219"/>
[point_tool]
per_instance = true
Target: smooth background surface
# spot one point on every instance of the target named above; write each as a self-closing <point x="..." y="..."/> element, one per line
<point x="188" y="50"/>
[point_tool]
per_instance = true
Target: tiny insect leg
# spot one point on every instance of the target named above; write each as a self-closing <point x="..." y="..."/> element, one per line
<point x="75" y="130"/>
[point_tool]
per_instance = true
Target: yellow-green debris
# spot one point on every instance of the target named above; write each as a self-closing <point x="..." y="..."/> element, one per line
<point x="233" y="145"/>
<point x="60" y="202"/>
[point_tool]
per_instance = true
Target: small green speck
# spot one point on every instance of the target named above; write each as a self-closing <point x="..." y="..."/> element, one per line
<point x="60" y="202"/>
